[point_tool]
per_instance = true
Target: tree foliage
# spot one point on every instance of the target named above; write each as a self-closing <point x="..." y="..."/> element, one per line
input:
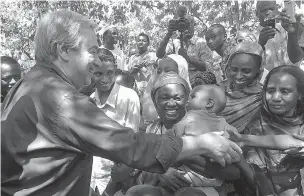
<point x="19" y="19"/>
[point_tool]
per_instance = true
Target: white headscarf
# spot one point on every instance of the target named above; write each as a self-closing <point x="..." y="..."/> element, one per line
<point x="182" y="66"/>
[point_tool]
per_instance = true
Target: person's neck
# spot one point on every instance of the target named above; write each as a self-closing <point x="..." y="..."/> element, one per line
<point x="220" y="50"/>
<point x="170" y="124"/>
<point x="142" y="51"/>
<point x="109" y="46"/>
<point x="74" y="78"/>
<point x="104" y="95"/>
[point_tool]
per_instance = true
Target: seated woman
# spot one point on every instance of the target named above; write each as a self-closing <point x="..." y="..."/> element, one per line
<point x="170" y="94"/>
<point x="118" y="102"/>
<point x="279" y="172"/>
<point x="242" y="87"/>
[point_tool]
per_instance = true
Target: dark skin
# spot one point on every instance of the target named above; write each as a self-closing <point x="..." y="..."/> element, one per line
<point x="111" y="38"/>
<point x="261" y="12"/>
<point x="295" y="52"/>
<point x="161" y="50"/>
<point x="216" y="38"/>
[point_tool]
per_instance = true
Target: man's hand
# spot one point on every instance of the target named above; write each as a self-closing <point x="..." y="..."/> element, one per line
<point x="218" y="148"/>
<point x="287" y="24"/>
<point x="183" y="53"/>
<point x="135" y="69"/>
<point x="172" y="27"/>
<point x="266" y="34"/>
<point x="173" y="180"/>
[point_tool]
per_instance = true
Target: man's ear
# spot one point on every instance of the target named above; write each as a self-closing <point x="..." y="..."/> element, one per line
<point x="63" y="52"/>
<point x="225" y="36"/>
<point x="210" y="103"/>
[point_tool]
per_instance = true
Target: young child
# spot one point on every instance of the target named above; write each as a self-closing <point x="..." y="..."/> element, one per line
<point x="205" y="102"/>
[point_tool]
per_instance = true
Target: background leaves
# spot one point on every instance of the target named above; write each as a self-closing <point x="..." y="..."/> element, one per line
<point x="19" y="19"/>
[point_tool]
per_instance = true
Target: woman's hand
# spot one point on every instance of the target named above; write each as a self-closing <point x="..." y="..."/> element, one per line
<point x="299" y="150"/>
<point x="173" y="180"/>
<point x="236" y="137"/>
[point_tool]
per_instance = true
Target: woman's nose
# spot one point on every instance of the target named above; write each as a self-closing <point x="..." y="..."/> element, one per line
<point x="171" y="103"/>
<point x="276" y="96"/>
<point x="239" y="75"/>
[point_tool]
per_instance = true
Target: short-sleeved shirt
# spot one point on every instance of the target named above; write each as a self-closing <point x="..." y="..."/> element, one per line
<point x="144" y="74"/>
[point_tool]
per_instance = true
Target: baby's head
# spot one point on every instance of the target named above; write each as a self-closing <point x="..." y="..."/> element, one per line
<point x="125" y="175"/>
<point x="207" y="97"/>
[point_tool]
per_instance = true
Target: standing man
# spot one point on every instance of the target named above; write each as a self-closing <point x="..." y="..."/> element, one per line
<point x="195" y="51"/>
<point x="50" y="131"/>
<point x="110" y="39"/>
<point x="273" y="40"/>
<point x="142" y="63"/>
<point x="10" y="74"/>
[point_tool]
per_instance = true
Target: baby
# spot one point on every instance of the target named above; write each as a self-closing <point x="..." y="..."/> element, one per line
<point x="204" y="104"/>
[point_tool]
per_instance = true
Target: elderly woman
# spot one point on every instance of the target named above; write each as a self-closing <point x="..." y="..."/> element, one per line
<point x="243" y="88"/>
<point x="279" y="172"/>
<point x="170" y="94"/>
<point x="172" y="62"/>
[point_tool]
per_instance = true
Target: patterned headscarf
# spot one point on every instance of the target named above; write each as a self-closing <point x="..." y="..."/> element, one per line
<point x="169" y="78"/>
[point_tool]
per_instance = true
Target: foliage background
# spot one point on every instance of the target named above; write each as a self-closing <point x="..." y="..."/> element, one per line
<point x="19" y="19"/>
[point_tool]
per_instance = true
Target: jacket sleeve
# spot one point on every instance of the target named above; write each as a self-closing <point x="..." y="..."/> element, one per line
<point x="83" y="126"/>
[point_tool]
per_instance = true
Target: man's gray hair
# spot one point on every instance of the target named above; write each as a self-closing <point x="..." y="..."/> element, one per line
<point x="58" y="28"/>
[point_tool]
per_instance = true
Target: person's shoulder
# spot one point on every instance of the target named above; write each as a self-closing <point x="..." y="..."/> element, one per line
<point x="127" y="93"/>
<point x="193" y="115"/>
<point x="254" y="128"/>
<point x="199" y="42"/>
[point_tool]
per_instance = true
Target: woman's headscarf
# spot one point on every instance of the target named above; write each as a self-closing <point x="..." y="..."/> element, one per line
<point x="298" y="117"/>
<point x="182" y="65"/>
<point x="169" y="78"/>
<point x="246" y="47"/>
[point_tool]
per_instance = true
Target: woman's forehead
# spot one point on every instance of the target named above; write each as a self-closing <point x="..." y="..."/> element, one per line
<point x="171" y="89"/>
<point x="282" y="79"/>
<point x="244" y="58"/>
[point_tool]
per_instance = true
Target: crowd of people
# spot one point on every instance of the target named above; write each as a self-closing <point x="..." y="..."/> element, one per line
<point x="205" y="117"/>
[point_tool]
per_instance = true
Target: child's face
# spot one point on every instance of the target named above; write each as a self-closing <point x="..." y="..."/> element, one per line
<point x="121" y="172"/>
<point x="215" y="38"/>
<point x="198" y="99"/>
